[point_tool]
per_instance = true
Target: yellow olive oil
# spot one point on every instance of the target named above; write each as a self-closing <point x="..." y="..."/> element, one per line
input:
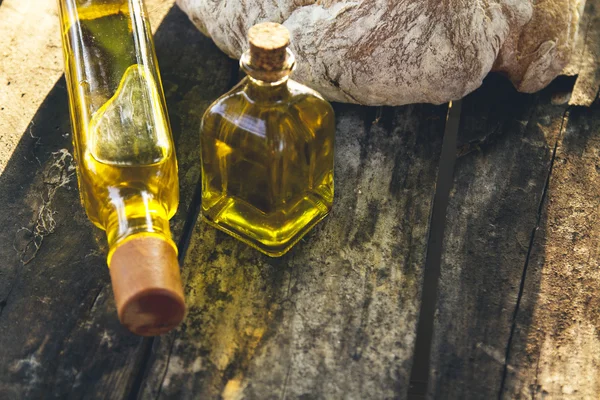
<point x="127" y="168"/>
<point x="267" y="157"/>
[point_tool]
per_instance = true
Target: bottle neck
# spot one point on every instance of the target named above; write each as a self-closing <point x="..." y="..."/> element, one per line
<point x="266" y="92"/>
<point x="135" y="216"/>
<point x="267" y="85"/>
<point x="123" y="231"/>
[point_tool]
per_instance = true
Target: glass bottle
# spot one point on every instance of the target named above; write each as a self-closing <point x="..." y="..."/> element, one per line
<point x="267" y="150"/>
<point x="127" y="170"/>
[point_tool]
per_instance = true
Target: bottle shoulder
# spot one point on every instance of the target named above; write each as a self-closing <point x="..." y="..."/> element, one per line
<point x="233" y="96"/>
<point x="310" y="103"/>
<point x="298" y="100"/>
<point x="304" y="93"/>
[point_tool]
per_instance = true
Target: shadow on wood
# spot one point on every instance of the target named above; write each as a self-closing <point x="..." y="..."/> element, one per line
<point x="555" y="349"/>
<point x="505" y="158"/>
<point x="336" y="316"/>
<point x="59" y="330"/>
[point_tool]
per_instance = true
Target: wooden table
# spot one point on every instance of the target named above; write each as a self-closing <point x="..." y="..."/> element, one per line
<point x="515" y="312"/>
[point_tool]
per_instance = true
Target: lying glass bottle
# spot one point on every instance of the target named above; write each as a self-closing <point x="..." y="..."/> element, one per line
<point x="127" y="170"/>
<point x="267" y="151"/>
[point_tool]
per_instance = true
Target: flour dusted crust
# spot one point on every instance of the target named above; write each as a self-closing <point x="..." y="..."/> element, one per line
<point x="394" y="52"/>
<point x="537" y="53"/>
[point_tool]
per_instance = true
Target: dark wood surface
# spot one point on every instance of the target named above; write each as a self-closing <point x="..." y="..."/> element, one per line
<point x="518" y="297"/>
<point x="336" y="316"/>
<point x="505" y="155"/>
<point x="555" y="350"/>
<point x="59" y="334"/>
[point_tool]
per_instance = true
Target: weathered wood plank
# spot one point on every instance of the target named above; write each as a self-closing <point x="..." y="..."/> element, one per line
<point x="504" y="160"/>
<point x="59" y="332"/>
<point x="335" y="317"/>
<point x="30" y="64"/>
<point x="586" y="57"/>
<point x="555" y="351"/>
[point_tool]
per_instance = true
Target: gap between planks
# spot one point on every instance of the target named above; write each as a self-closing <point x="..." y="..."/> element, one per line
<point x="528" y="256"/>
<point x="182" y="246"/>
<point x="419" y="377"/>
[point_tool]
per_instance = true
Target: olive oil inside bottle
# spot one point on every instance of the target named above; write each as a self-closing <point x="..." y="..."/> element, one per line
<point x="127" y="170"/>
<point x="267" y="158"/>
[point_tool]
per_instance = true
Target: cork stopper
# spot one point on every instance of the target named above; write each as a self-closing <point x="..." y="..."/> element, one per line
<point x="268" y="46"/>
<point x="147" y="286"/>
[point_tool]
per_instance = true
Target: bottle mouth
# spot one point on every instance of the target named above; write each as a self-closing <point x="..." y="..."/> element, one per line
<point x="268" y="77"/>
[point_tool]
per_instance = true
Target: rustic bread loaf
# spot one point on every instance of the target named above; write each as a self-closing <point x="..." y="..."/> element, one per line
<point x="394" y="52"/>
<point x="537" y="53"/>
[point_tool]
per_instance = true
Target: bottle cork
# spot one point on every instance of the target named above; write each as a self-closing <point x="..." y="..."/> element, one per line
<point x="268" y="46"/>
<point x="147" y="286"/>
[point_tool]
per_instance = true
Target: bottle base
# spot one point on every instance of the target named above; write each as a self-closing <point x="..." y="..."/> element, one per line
<point x="263" y="232"/>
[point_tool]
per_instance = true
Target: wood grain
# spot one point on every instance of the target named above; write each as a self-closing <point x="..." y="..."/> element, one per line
<point x="518" y="301"/>
<point x="30" y="64"/>
<point x="334" y="318"/>
<point x="586" y="57"/>
<point x="59" y="331"/>
<point x="504" y="160"/>
<point x="555" y="352"/>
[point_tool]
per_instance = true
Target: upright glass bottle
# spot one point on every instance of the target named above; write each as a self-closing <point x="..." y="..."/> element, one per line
<point x="267" y="150"/>
<point x="127" y="170"/>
